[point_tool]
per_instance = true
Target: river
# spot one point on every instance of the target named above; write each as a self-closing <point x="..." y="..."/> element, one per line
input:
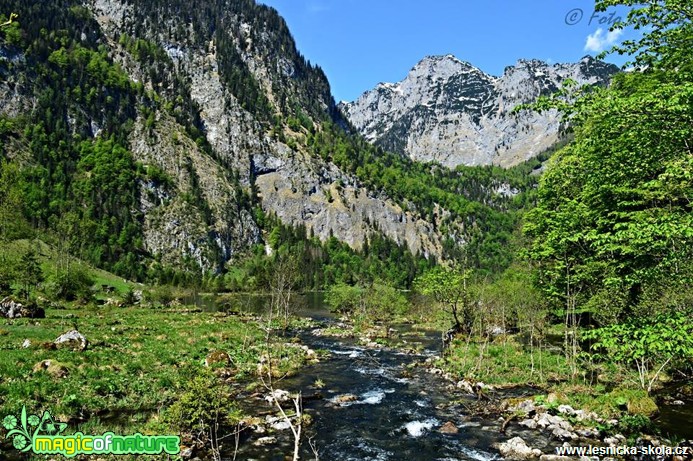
<point x="398" y="409"/>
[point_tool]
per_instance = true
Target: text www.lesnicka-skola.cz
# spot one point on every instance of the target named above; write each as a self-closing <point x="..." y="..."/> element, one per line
<point x="622" y="450"/>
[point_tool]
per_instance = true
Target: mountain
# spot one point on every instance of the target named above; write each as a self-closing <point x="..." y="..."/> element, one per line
<point x="449" y="111"/>
<point x="159" y="136"/>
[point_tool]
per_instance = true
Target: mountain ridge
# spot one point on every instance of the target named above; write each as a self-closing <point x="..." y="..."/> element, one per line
<point x="200" y="129"/>
<point x="449" y="111"/>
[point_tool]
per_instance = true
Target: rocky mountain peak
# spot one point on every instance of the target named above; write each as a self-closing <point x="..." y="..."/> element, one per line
<point x="449" y="111"/>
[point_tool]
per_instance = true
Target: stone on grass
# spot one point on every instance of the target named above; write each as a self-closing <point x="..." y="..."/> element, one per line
<point x="12" y="309"/>
<point x="73" y="339"/>
<point x="53" y="368"/>
<point x="218" y="358"/>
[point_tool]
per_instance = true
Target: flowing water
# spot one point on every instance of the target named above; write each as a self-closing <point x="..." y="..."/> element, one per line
<point x="397" y="409"/>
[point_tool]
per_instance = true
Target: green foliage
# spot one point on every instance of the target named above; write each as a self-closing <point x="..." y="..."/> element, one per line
<point x="449" y="287"/>
<point x="635" y="424"/>
<point x="649" y="344"/>
<point x="667" y="37"/>
<point x="71" y="284"/>
<point x="12" y="223"/>
<point x="506" y="362"/>
<point x="203" y="404"/>
<point x="383" y="302"/>
<point x="344" y="298"/>
<point x="29" y="273"/>
<point x="613" y="210"/>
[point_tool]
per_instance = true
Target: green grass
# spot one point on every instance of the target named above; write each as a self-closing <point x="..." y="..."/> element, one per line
<point x="135" y="360"/>
<point x="139" y="362"/>
<point x="606" y="389"/>
<point x="49" y="258"/>
<point x="504" y="361"/>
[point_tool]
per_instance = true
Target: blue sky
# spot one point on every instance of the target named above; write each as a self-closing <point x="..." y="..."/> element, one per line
<point x="359" y="43"/>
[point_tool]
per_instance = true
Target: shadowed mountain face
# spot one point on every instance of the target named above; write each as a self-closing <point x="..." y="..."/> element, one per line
<point x="448" y="111"/>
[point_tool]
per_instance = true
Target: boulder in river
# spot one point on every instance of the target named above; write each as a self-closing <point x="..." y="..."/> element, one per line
<point x="262" y="441"/>
<point x="73" y="339"/>
<point x="448" y="428"/>
<point x="528" y="423"/>
<point x="278" y="423"/>
<point x="278" y="395"/>
<point x="345" y="398"/>
<point x="517" y="449"/>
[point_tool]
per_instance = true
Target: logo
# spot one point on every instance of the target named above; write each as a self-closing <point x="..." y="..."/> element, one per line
<point x="575" y="15"/>
<point x="45" y="436"/>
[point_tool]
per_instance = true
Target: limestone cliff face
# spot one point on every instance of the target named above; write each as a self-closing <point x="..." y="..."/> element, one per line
<point x="297" y="187"/>
<point x="448" y="111"/>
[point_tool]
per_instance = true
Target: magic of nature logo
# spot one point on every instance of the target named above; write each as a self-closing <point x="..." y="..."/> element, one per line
<point x="44" y="435"/>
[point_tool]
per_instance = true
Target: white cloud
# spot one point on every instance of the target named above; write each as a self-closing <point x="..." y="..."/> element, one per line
<point x="599" y="41"/>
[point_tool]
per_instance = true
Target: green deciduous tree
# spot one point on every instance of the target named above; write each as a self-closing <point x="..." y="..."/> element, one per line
<point x="450" y="288"/>
<point x="668" y="34"/>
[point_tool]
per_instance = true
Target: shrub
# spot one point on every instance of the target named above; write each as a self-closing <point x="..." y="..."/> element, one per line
<point x="71" y="285"/>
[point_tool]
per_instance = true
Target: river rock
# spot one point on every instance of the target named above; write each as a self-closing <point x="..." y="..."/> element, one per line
<point x="566" y="410"/>
<point x="263" y="441"/>
<point x="345" y="398"/>
<point x="466" y="387"/>
<point x="545" y="420"/>
<point x="590" y="433"/>
<point x="527" y="406"/>
<point x="73" y="339"/>
<point x="448" y="428"/>
<point x="563" y="434"/>
<point x="278" y="423"/>
<point x="483" y="386"/>
<point x="278" y="395"/>
<point x="612" y="441"/>
<point x="517" y="449"/>
<point x="218" y="357"/>
<point x="528" y="423"/>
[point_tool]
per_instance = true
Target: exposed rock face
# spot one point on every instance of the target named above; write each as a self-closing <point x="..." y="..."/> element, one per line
<point x="451" y="112"/>
<point x="297" y="187"/>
